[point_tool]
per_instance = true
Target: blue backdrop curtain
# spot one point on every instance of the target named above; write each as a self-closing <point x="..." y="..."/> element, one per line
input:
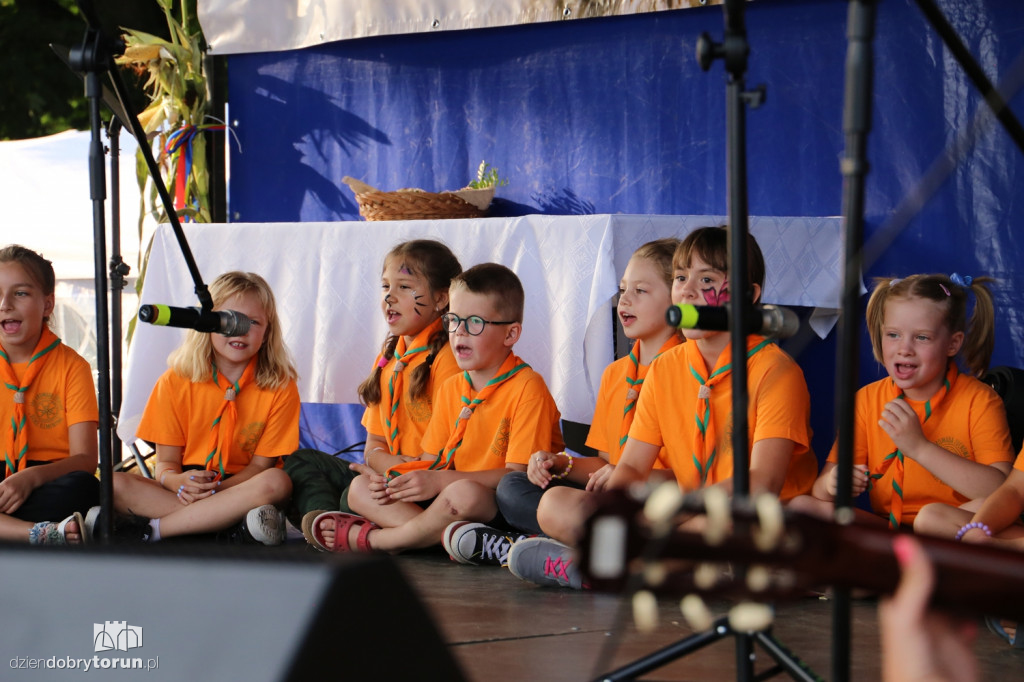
<point x="614" y="115"/>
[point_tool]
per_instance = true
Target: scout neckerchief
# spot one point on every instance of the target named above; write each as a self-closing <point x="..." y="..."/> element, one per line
<point x="16" y="439"/>
<point x="446" y="458"/>
<point x="703" y="451"/>
<point x="403" y="358"/>
<point x="635" y="375"/>
<point x="222" y="431"/>
<point x="896" y="456"/>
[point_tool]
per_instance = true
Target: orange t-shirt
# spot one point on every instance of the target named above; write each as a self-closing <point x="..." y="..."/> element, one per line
<point x="180" y="412"/>
<point x="606" y="427"/>
<point x="779" y="407"/>
<point x="411" y="416"/>
<point x="1019" y="462"/>
<point x="62" y="394"/>
<point x="518" y="419"/>
<point x="970" y="421"/>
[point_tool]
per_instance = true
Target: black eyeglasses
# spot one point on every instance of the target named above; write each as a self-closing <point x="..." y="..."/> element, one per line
<point x="474" y="323"/>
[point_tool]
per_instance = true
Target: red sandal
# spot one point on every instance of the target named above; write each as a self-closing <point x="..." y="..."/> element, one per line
<point x="343" y="523"/>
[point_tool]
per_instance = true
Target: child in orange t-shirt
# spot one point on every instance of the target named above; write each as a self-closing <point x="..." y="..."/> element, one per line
<point x="645" y="293"/>
<point x="926" y="433"/>
<point x="49" y="411"/>
<point x="487" y="420"/>
<point x="221" y="417"/>
<point x="698" y="449"/>
<point x="399" y="392"/>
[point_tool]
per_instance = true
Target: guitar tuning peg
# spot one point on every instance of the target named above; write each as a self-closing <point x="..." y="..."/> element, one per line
<point x="662" y="505"/>
<point x="719" y="516"/>
<point x="706" y="576"/>
<point x="696" y="612"/>
<point x="655" y="573"/>
<point x="759" y="578"/>
<point x="771" y="522"/>
<point x="645" y="611"/>
<point x="750" y="617"/>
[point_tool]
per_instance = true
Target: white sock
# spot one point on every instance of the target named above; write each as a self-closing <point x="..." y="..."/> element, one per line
<point x="154" y="525"/>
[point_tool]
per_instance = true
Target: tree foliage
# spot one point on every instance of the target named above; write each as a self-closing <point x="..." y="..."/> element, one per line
<point x="39" y="94"/>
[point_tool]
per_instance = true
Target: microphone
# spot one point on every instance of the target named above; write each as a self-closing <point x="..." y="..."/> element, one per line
<point x="224" y="322"/>
<point x="768" y="320"/>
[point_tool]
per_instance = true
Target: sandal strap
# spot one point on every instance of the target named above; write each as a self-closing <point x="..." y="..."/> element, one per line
<point x="46" y="533"/>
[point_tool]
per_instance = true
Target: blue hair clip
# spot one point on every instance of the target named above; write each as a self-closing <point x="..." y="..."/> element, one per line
<point x="961" y="280"/>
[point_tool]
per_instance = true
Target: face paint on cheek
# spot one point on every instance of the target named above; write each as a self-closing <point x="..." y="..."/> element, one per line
<point x="719" y="297"/>
<point x="419" y="304"/>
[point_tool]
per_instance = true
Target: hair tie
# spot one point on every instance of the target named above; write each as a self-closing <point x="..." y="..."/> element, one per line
<point x="961" y="280"/>
<point x="429" y="359"/>
<point x="944" y="289"/>
<point x="382" y="363"/>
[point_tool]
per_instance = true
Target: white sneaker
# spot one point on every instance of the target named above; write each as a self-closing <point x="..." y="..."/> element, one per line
<point x="266" y="524"/>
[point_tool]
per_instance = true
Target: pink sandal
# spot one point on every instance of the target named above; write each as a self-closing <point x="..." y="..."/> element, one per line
<point x="343" y="523"/>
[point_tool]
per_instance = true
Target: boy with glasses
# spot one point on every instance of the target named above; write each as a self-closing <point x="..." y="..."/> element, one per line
<point x="487" y="420"/>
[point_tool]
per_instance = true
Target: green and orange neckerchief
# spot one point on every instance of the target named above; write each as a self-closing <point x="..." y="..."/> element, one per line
<point x="634" y="382"/>
<point x="403" y="358"/>
<point x="222" y="430"/>
<point x="16" y="438"/>
<point x="446" y="457"/>
<point x="703" y="460"/>
<point x="896" y="457"/>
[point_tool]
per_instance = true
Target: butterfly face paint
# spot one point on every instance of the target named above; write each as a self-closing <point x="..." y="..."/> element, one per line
<point x="716" y="297"/>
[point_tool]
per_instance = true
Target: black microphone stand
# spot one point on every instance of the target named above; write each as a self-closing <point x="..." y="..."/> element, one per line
<point x="734" y="51"/>
<point x="95" y="56"/>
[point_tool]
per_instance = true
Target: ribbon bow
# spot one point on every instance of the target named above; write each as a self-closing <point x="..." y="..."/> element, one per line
<point x="961" y="280"/>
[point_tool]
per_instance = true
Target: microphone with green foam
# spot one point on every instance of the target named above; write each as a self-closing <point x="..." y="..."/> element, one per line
<point x="768" y="320"/>
<point x="223" y="322"/>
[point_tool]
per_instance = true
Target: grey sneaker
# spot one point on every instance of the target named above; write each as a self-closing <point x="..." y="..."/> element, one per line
<point x="545" y="562"/>
<point x="266" y="525"/>
<point x="475" y="543"/>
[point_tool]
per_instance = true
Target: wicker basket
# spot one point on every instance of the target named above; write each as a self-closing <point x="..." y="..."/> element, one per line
<point x="414" y="204"/>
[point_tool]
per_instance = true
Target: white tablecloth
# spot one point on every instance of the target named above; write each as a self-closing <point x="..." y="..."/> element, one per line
<point x="325" y="278"/>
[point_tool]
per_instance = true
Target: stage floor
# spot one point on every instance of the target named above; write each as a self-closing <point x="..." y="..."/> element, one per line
<point x="499" y="627"/>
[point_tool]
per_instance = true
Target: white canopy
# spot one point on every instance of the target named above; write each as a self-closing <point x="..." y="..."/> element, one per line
<point x="44" y="189"/>
<point x="233" y="26"/>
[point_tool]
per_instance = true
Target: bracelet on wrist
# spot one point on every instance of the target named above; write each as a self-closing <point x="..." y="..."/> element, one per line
<point x="970" y="526"/>
<point x="568" y="467"/>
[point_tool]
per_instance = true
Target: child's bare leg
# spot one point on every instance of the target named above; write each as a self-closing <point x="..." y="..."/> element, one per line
<point x="216" y="512"/>
<point x="806" y="504"/>
<point x="941" y="520"/>
<point x="462" y="500"/>
<point x="563" y="511"/>
<point x="384" y="515"/>
<point x="14" y="530"/>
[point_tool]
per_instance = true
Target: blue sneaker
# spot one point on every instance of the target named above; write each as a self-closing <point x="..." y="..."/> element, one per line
<point x="545" y="562"/>
<point x="474" y="543"/>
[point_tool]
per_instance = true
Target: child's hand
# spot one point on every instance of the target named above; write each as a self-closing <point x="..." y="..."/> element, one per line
<point x="599" y="479"/>
<point x="375" y="482"/>
<point x="414" y="486"/>
<point x="538" y="471"/>
<point x="196" y="485"/>
<point x="860" y="480"/>
<point x="15" y="489"/>
<point x="900" y="422"/>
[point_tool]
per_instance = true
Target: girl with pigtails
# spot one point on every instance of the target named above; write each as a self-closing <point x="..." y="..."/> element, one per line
<point x="415" y="359"/>
<point x="931" y="431"/>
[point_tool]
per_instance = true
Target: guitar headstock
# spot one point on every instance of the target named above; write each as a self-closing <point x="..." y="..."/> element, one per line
<point x="662" y="541"/>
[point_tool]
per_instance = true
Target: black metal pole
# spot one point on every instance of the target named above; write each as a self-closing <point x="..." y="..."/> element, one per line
<point x="854" y="168"/>
<point x="118" y="272"/>
<point x="98" y="194"/>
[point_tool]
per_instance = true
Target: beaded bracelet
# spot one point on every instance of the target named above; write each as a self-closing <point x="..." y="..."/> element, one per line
<point x="968" y="526"/>
<point x="568" y="467"/>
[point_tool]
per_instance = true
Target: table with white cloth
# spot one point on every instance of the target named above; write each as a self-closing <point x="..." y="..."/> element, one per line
<point x="325" y="277"/>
